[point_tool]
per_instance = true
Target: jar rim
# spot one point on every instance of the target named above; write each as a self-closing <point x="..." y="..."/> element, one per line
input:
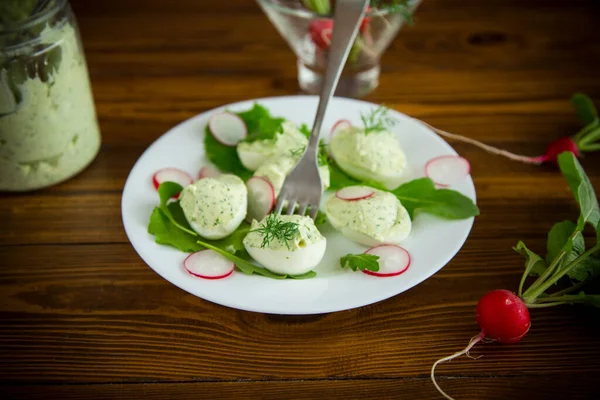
<point x="35" y="19"/>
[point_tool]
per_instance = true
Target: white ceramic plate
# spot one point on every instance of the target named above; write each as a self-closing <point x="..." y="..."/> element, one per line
<point x="432" y="243"/>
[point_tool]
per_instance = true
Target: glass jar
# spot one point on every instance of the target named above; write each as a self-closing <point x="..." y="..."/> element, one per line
<point x="48" y="125"/>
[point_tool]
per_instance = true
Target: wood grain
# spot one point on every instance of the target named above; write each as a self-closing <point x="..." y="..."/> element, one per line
<point x="576" y="387"/>
<point x="82" y="316"/>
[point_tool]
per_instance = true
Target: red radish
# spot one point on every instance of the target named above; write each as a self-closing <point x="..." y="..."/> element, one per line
<point x="208" y="264"/>
<point x="559" y="146"/>
<point x="339" y="125"/>
<point x="393" y="260"/>
<point x="171" y="175"/>
<point x="320" y="31"/>
<point x="353" y="193"/>
<point x="261" y="198"/>
<point x="447" y="170"/>
<point x="208" y="171"/>
<point x="502" y="316"/>
<point x="227" y="128"/>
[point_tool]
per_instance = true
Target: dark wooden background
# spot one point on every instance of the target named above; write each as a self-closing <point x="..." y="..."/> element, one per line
<point x="82" y="317"/>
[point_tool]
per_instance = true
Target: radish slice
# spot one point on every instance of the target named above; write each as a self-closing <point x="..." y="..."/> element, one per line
<point x="227" y="128"/>
<point x="171" y="175"/>
<point x="208" y="264"/>
<point x="393" y="260"/>
<point x="353" y="193"/>
<point x="339" y="125"/>
<point x="261" y="198"/>
<point x="447" y="170"/>
<point x="208" y="172"/>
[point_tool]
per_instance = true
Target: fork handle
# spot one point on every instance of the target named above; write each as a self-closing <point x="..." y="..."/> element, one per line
<point x="346" y="21"/>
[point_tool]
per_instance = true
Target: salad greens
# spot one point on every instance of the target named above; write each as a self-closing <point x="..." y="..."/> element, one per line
<point x="566" y="256"/>
<point x="170" y="227"/>
<point x="420" y="195"/>
<point x="225" y="158"/>
<point x="360" y="262"/>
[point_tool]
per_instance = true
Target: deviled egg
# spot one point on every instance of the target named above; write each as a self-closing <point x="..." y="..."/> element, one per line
<point x="276" y="170"/>
<point x="254" y="154"/>
<point x="215" y="207"/>
<point x="286" y="244"/>
<point x="369" y="155"/>
<point x="368" y="216"/>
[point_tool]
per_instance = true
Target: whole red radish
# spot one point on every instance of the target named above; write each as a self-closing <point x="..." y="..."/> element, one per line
<point x="559" y="146"/>
<point x="502" y="316"/>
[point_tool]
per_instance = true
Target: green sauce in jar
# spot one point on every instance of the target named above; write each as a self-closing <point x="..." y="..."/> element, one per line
<point x="48" y="125"/>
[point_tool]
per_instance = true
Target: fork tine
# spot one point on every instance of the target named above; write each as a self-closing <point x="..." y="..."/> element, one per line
<point x="279" y="206"/>
<point x="313" y="211"/>
<point x="302" y="209"/>
<point x="290" y="207"/>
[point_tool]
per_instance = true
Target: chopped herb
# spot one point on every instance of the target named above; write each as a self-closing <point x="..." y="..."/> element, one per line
<point x="275" y="229"/>
<point x="377" y="120"/>
<point x="360" y="262"/>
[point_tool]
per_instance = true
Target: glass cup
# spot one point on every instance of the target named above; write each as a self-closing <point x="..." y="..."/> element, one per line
<point x="309" y="35"/>
<point x="48" y="126"/>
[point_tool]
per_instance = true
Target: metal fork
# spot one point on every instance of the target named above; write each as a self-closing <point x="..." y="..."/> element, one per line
<point x="303" y="187"/>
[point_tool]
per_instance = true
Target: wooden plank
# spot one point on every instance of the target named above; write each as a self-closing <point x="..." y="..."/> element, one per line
<point x="98" y="314"/>
<point x="572" y="387"/>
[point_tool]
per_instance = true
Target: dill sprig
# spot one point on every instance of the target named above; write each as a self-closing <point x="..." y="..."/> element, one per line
<point x="377" y="120"/>
<point x="275" y="229"/>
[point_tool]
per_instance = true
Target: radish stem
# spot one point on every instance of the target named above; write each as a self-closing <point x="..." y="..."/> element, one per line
<point x="567" y="290"/>
<point x="489" y="149"/>
<point x="473" y="342"/>
<point x="585" y="130"/>
<point x="542" y="288"/>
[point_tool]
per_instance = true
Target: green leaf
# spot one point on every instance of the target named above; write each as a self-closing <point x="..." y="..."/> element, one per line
<point x="321" y="218"/>
<point x="260" y="124"/>
<point x="166" y="191"/>
<point x="323" y="155"/>
<point x="308" y="275"/>
<point x="166" y="233"/>
<point x="587" y="269"/>
<point x="584" y="107"/>
<point x="339" y="179"/>
<point x="225" y="158"/>
<point x="582" y="189"/>
<point x="360" y="262"/>
<point x="534" y="264"/>
<point x="14" y="11"/>
<point x="557" y="237"/>
<point x="305" y="130"/>
<point x="421" y="195"/>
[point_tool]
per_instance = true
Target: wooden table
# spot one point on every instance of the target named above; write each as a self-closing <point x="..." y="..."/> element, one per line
<point x="82" y="317"/>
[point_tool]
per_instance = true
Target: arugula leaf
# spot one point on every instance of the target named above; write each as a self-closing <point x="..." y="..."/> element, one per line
<point x="584" y="108"/>
<point x="582" y="189"/>
<point x="421" y="195"/>
<point x="166" y="233"/>
<point x="534" y="264"/>
<point x="321" y="218"/>
<point x="225" y="158"/>
<point x="260" y="124"/>
<point x="339" y="179"/>
<point x="360" y="262"/>
<point x="323" y="155"/>
<point x="166" y="191"/>
<point x="307" y="275"/>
